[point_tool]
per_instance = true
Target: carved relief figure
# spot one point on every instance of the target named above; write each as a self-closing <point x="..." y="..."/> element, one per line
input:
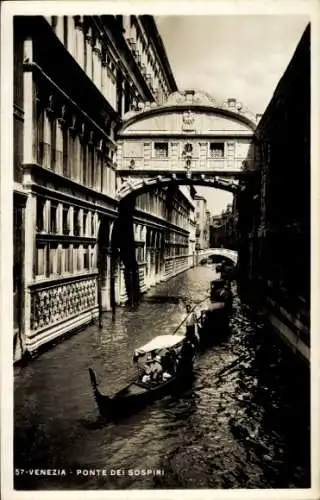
<point x="188" y="120"/>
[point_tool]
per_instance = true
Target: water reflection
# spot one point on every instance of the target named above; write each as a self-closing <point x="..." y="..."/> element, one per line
<point x="242" y="422"/>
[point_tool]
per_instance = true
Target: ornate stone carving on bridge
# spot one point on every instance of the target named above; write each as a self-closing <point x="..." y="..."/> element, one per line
<point x="188" y="121"/>
<point x="190" y="97"/>
<point x="58" y="303"/>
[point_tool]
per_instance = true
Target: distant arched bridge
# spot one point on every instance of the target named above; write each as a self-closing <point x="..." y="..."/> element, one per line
<point x="222" y="252"/>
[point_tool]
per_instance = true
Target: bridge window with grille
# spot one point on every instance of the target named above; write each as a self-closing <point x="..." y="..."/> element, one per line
<point x="161" y="150"/>
<point x="216" y="150"/>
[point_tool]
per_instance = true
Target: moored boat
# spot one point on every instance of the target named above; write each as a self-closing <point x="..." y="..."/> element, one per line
<point x="215" y="311"/>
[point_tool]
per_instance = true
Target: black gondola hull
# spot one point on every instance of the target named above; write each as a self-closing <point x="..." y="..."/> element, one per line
<point x="135" y="395"/>
<point x="215" y="320"/>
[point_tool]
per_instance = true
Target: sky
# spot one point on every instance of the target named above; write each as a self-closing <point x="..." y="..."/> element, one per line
<point x="241" y="56"/>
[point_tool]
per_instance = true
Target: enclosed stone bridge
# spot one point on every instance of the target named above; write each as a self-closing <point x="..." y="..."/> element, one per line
<point x="190" y="139"/>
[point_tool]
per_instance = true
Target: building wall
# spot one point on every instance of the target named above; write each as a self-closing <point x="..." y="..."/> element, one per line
<point x="223" y="229"/>
<point x="162" y="235"/>
<point x="274" y="208"/>
<point x="66" y="110"/>
<point x="202" y="226"/>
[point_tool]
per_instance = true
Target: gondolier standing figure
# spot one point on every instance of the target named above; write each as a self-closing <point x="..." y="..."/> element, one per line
<point x="191" y="325"/>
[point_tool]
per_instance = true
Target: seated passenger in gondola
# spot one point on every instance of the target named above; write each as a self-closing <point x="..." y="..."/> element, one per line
<point x="168" y="363"/>
<point x="146" y="373"/>
<point x="156" y="369"/>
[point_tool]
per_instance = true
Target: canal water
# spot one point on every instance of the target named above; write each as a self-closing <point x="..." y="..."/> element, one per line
<point x="243" y="422"/>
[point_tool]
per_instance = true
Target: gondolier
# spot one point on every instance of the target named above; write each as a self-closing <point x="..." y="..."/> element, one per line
<point x="191" y="323"/>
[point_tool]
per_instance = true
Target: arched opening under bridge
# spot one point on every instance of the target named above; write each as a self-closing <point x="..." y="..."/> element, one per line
<point x="125" y="237"/>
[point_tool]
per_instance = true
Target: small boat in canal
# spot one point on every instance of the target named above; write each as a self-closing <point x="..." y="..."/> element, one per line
<point x="215" y="311"/>
<point x="144" y="388"/>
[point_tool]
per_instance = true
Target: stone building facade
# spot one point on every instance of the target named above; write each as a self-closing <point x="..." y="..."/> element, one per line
<point x="163" y="219"/>
<point x="202" y="226"/>
<point x="274" y="208"/>
<point x="224" y="228"/>
<point x="74" y="79"/>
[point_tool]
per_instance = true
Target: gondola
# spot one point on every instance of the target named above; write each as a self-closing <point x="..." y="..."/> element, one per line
<point x="137" y="393"/>
<point x="216" y="310"/>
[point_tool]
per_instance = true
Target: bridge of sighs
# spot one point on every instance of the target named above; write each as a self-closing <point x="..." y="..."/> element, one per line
<point x="190" y="139"/>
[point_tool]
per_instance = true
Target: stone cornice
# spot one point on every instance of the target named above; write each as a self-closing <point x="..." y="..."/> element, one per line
<point x="206" y="136"/>
<point x="142" y="217"/>
<point x="180" y="108"/>
<point x="76" y="199"/>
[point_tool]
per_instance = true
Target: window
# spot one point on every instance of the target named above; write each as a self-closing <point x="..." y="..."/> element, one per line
<point x="76" y="259"/>
<point x="40" y="215"/>
<point x="65" y="30"/>
<point x="69" y="260"/>
<point x="65" y="222"/>
<point x="64" y="259"/>
<point x="92" y="225"/>
<point x="86" y="258"/>
<point x="41" y="260"/>
<point x="72" y="156"/>
<point x="53" y="219"/>
<point x="216" y="149"/>
<point x="161" y="149"/>
<point x="53" y="127"/>
<point x="90" y="179"/>
<point x="52" y="258"/>
<point x="83" y="162"/>
<point x="76" y="222"/>
<point x="86" y="219"/>
<point x="66" y="171"/>
<point x="80" y="258"/>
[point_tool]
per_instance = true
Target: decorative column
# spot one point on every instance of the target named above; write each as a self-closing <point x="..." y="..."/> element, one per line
<point x="30" y="258"/>
<point x="46" y="157"/>
<point x="29" y="106"/>
<point x="97" y="64"/>
<point x="77" y="159"/>
<point x="104" y="79"/>
<point x="72" y="152"/>
<point x="153" y="259"/>
<point x="113" y="90"/>
<point x="46" y="216"/>
<point x="71" y="36"/>
<point x="98" y="167"/>
<point x="59" y="146"/>
<point x="80" y="40"/>
<point x="89" y="53"/>
<point x="59" y="28"/>
<point x="31" y="203"/>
